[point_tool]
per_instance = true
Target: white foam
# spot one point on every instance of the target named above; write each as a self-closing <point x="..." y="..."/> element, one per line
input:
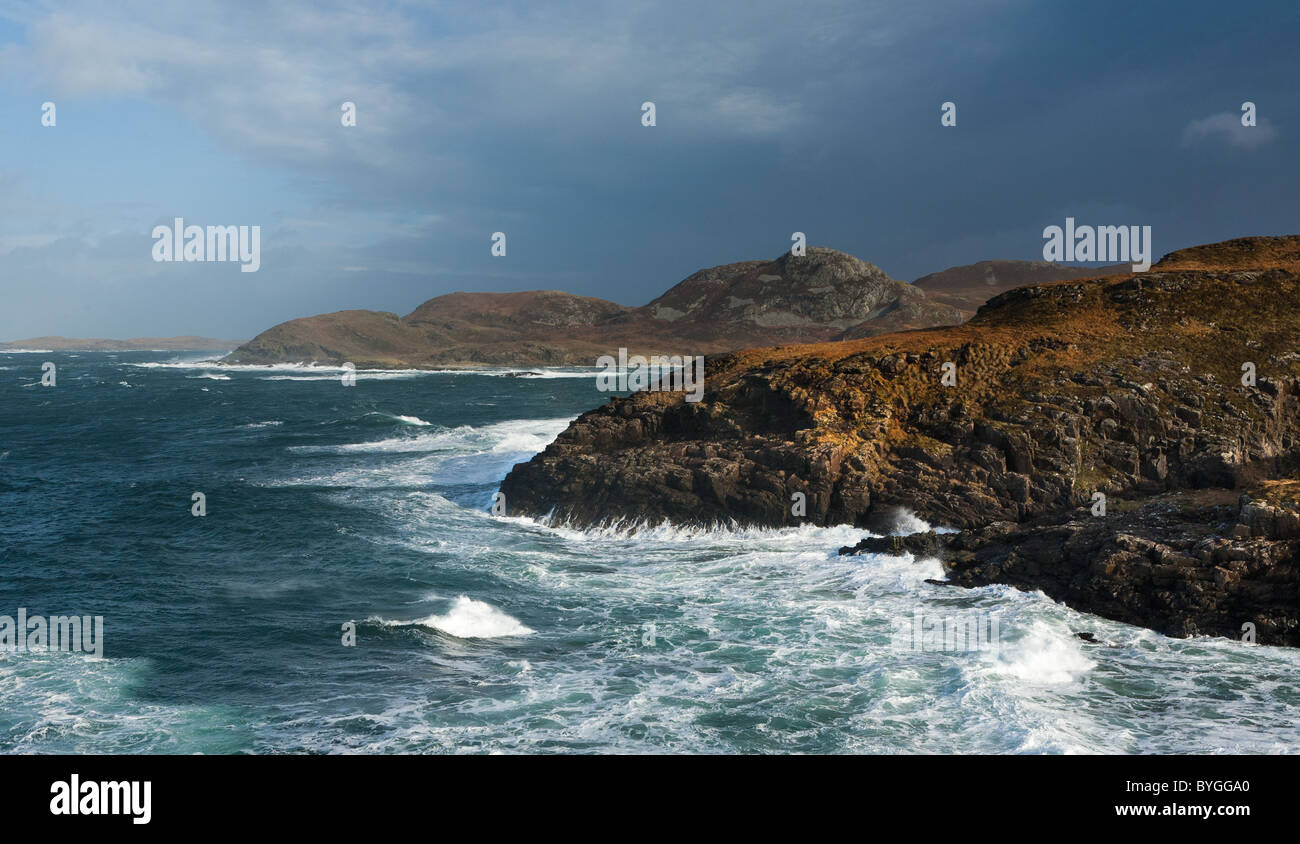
<point x="906" y="523"/>
<point x="405" y="420"/>
<point x="1042" y="655"/>
<point x="540" y="373"/>
<point x="515" y="436"/>
<point x="301" y="377"/>
<point x="330" y="372"/>
<point x="471" y="619"/>
<point x="193" y="363"/>
<point x="466" y="454"/>
<point x="638" y="530"/>
<point x="335" y="373"/>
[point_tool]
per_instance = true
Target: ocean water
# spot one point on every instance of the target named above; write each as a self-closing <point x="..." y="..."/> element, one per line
<point x="370" y="504"/>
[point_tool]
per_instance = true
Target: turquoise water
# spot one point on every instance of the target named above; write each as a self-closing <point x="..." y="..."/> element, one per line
<point x="370" y="504"/>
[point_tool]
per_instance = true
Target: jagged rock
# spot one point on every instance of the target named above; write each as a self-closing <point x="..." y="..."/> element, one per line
<point x="919" y="545"/>
<point x="1162" y="565"/>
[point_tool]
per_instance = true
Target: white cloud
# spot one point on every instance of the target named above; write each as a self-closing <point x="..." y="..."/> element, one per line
<point x="1226" y="128"/>
<point x="754" y="112"/>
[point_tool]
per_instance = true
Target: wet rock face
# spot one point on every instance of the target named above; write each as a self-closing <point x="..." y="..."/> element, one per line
<point x="682" y="462"/>
<point x="1180" y="567"/>
<point x="1131" y="387"/>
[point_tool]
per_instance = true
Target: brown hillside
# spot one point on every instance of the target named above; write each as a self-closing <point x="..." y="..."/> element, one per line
<point x="824" y="295"/>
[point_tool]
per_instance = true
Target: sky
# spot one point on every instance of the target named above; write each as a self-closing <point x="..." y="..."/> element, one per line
<point x="821" y="117"/>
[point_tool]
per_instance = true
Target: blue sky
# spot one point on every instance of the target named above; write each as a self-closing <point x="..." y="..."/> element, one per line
<point x="821" y="117"/>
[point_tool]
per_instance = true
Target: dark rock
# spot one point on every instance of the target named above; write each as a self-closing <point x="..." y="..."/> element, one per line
<point x="919" y="545"/>
<point x="1161" y="566"/>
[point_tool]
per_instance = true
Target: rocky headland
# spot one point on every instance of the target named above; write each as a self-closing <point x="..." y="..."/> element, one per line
<point x="1169" y="396"/>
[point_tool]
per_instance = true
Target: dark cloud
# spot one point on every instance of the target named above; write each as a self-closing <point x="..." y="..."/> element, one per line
<point x="474" y="118"/>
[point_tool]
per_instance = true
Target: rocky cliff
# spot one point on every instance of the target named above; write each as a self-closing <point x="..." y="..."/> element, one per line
<point x="1135" y="387"/>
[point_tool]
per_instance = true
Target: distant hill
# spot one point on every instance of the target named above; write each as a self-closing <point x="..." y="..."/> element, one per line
<point x="136" y="344"/>
<point x="822" y="296"/>
<point x="540" y="327"/>
<point x="969" y="286"/>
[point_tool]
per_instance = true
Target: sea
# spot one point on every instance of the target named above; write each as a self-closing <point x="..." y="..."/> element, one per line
<point x="285" y="564"/>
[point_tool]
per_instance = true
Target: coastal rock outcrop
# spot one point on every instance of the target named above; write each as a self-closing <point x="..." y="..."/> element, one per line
<point x="1184" y="564"/>
<point x="1182" y="378"/>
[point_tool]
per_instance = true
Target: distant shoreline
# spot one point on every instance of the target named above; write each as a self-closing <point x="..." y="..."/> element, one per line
<point x="186" y="343"/>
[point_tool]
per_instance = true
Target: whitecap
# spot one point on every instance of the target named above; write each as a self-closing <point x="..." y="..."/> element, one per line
<point x="470" y="619"/>
<point x="405" y="420"/>
<point x="1043" y="655"/>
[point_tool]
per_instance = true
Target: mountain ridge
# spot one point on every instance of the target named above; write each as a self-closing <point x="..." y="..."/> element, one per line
<point x="824" y="295"/>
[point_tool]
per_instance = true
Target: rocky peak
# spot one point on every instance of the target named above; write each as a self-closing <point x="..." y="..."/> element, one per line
<point x="824" y="287"/>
